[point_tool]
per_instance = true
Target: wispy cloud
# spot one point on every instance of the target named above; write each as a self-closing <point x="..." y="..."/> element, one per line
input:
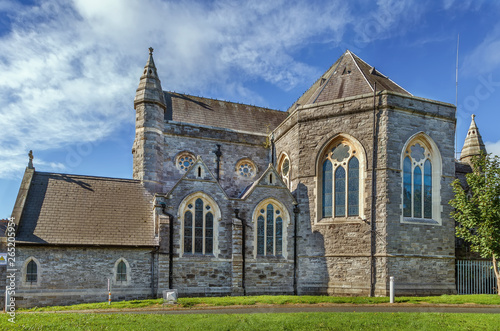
<point x="69" y="69"/>
<point x="484" y="58"/>
<point x="493" y="147"/>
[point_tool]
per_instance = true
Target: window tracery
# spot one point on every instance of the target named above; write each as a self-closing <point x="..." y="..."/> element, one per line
<point x="245" y="168"/>
<point x="421" y="168"/>
<point x="184" y="160"/>
<point x="341" y="180"/>
<point x="284" y="169"/>
<point x="271" y="220"/>
<point x="198" y="214"/>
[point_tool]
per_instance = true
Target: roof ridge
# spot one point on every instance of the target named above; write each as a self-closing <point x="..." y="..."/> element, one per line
<point x="232" y="102"/>
<point x="44" y="173"/>
<point x="354" y="57"/>
<point x="335" y="63"/>
<point x="385" y="76"/>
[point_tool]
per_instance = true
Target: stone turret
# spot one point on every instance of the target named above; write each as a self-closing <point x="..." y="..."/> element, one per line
<point x="473" y="144"/>
<point x="149" y="104"/>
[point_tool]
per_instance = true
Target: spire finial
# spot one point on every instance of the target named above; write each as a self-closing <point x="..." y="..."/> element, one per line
<point x="473" y="116"/>
<point x="30" y="163"/>
<point x="151" y="50"/>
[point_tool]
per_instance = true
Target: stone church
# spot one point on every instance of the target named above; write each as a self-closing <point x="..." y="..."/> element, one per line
<point x="346" y="188"/>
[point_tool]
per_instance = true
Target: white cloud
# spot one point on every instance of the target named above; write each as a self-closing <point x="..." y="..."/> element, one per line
<point x="484" y="58"/>
<point x="69" y="70"/>
<point x="493" y="147"/>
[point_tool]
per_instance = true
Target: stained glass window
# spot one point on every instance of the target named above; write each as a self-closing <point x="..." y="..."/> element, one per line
<point x="279" y="235"/>
<point x="340" y="192"/>
<point x="188" y="232"/>
<point x="285" y="170"/>
<point x="184" y="161"/>
<point x="270" y="231"/>
<point x="407" y="187"/>
<point x="260" y="235"/>
<point x="209" y="233"/>
<point x="199" y="227"/>
<point x="417" y="182"/>
<point x="353" y="187"/>
<point x="246" y="168"/>
<point x="417" y="192"/>
<point x="31" y="272"/>
<point x="327" y="189"/>
<point x="340" y="152"/>
<point x="341" y="182"/>
<point x="121" y="272"/>
<point x="427" y="189"/>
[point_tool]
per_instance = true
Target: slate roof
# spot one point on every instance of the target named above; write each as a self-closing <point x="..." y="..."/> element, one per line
<point x="83" y="210"/>
<point x="222" y="114"/>
<point x="349" y="76"/>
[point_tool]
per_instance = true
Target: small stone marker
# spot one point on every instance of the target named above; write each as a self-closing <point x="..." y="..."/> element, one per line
<point x="170" y="297"/>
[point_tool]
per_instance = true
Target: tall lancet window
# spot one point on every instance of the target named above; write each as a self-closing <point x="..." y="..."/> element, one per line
<point x="341" y="180"/>
<point x="199" y="213"/>
<point x="270" y="235"/>
<point x="421" y="167"/>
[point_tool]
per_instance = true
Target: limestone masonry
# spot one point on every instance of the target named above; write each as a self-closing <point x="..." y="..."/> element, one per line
<point x="348" y="187"/>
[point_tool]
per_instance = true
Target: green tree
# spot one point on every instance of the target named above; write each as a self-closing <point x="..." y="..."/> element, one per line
<point x="477" y="209"/>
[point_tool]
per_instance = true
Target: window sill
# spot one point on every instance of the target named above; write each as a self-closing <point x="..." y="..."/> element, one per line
<point x="198" y="255"/>
<point x="426" y="221"/>
<point x="340" y="220"/>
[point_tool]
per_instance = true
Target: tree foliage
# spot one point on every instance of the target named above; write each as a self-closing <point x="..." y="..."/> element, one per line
<point x="477" y="208"/>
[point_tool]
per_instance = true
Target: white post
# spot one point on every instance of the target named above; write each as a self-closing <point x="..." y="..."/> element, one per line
<point x="109" y="291"/>
<point x="7" y="300"/>
<point x="391" y="289"/>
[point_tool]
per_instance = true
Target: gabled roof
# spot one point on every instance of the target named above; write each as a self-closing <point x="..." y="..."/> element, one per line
<point x="191" y="174"/>
<point x="347" y="77"/>
<point x="84" y="210"/>
<point x="222" y="114"/>
<point x="265" y="181"/>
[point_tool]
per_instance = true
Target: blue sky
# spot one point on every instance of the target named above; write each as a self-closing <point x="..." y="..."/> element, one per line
<point x="69" y="69"/>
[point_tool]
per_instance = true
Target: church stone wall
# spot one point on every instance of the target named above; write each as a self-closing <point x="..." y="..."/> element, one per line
<point x="72" y="275"/>
<point x="203" y="141"/>
<point x="335" y="258"/>
<point x="198" y="275"/>
<point x="421" y="255"/>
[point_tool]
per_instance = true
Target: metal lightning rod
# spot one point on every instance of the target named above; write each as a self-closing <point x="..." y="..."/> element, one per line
<point x="456" y="98"/>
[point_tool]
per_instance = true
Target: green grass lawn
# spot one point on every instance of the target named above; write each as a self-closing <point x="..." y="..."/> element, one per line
<point x="483" y="299"/>
<point x="289" y="321"/>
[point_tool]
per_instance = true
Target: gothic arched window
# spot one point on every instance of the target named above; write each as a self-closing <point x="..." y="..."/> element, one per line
<point x="31" y="272"/>
<point x="284" y="169"/>
<point x="121" y="272"/>
<point x="199" y="213"/>
<point x="270" y="236"/>
<point x="421" y="168"/>
<point x="341" y="177"/>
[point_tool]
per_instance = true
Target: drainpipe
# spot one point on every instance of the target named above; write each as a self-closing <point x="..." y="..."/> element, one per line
<point x="170" y="245"/>
<point x="218" y="154"/>
<point x="296" y="211"/>
<point x="154" y="282"/>
<point x="272" y="148"/>
<point x="374" y="202"/>
<point x="243" y="248"/>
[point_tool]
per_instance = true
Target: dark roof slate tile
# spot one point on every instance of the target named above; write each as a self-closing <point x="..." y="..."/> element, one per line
<point x="84" y="210"/>
<point x="221" y="114"/>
